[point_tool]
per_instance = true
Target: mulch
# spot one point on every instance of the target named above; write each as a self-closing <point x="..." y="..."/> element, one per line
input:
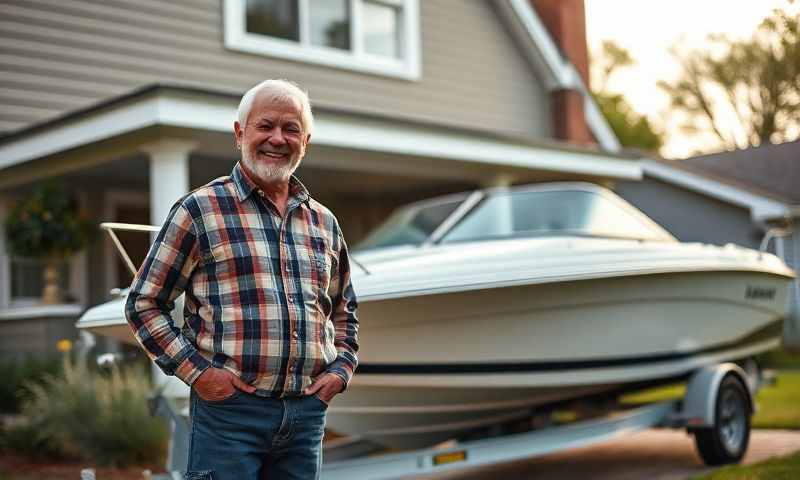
<point x="16" y="467"/>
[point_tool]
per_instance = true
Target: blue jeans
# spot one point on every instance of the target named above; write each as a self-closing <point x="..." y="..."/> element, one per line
<point x="247" y="437"/>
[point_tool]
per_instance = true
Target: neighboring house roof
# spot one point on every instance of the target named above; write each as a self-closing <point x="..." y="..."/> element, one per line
<point x="771" y="169"/>
<point x="765" y="179"/>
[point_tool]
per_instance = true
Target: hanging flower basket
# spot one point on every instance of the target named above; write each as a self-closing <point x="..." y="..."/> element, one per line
<point x="47" y="225"/>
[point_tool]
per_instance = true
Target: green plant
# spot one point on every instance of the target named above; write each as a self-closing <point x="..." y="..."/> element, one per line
<point x="26" y="439"/>
<point x="18" y="371"/>
<point x="780" y="358"/>
<point x="46" y="224"/>
<point x="98" y="417"/>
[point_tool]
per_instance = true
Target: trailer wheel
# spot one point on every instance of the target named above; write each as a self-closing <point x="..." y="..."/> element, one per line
<point x="726" y="441"/>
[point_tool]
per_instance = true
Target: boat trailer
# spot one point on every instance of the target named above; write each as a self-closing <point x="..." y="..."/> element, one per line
<point x="716" y="408"/>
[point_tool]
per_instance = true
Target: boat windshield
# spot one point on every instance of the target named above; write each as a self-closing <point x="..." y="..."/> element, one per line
<point x="554" y="212"/>
<point x="411" y="225"/>
<point x="510" y="214"/>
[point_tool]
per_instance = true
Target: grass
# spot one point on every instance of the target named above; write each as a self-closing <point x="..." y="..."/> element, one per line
<point x="97" y="417"/>
<point x="778" y="404"/>
<point x="780" y="359"/>
<point x="780" y="468"/>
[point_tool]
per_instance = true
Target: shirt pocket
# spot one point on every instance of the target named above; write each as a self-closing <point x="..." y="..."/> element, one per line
<point x="320" y="264"/>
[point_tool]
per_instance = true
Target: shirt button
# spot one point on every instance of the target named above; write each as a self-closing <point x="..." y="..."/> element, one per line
<point x="294" y="334"/>
<point x="291" y="368"/>
<point x="260" y="193"/>
<point x="289" y="298"/>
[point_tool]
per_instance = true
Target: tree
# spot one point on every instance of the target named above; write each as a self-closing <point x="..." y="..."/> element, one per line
<point x="631" y="128"/>
<point x="754" y="81"/>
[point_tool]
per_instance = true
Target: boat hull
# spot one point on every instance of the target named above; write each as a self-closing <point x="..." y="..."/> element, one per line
<point x="433" y="366"/>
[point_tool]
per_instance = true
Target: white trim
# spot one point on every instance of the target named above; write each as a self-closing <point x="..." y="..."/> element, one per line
<point x="557" y="71"/>
<point x="237" y="38"/>
<point x="5" y="273"/>
<point x="761" y="208"/>
<point x="331" y="129"/>
<point x="93" y="128"/>
<point x="112" y="200"/>
<point x="78" y="272"/>
<point x="341" y="131"/>
<point x="548" y="58"/>
<point x="40" y="311"/>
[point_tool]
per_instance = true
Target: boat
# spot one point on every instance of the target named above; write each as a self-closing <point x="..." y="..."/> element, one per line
<point x="479" y="309"/>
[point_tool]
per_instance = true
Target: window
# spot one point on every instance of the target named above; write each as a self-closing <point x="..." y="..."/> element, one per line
<point x="373" y="36"/>
<point x="27" y="281"/>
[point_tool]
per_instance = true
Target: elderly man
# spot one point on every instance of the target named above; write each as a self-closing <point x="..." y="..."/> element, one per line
<point x="270" y="332"/>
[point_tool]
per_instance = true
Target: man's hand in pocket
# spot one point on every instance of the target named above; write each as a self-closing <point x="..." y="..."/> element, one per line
<point x="216" y="384"/>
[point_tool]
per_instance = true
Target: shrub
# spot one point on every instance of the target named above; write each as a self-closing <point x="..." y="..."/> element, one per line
<point x="16" y="373"/>
<point x="28" y="440"/>
<point x="780" y="358"/>
<point x="98" y="417"/>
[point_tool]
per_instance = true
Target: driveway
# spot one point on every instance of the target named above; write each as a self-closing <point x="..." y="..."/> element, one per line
<point x="651" y="454"/>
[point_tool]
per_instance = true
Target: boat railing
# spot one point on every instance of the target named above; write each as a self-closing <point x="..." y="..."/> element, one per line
<point x="110" y="228"/>
<point x="772" y="234"/>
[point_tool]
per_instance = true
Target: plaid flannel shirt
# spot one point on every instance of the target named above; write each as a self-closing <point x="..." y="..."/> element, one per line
<point x="269" y="299"/>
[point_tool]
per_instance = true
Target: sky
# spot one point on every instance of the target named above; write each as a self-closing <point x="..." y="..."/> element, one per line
<point x="647" y="29"/>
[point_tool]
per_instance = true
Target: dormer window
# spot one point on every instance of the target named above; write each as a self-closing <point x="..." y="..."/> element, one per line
<point x="373" y="36"/>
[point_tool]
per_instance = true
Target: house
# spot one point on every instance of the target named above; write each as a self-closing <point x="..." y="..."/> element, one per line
<point x="730" y="197"/>
<point x="131" y="103"/>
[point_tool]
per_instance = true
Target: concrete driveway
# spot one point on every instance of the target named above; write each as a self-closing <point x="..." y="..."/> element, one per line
<point x="651" y="454"/>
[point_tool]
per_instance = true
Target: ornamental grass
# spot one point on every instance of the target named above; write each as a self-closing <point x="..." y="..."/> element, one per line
<point x="99" y="417"/>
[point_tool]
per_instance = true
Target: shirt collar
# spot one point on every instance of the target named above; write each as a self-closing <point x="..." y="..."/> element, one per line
<point x="245" y="186"/>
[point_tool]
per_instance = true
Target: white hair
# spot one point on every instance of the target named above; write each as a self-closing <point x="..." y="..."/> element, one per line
<point x="277" y="90"/>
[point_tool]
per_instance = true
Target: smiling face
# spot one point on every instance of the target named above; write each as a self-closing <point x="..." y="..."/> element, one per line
<point x="273" y="140"/>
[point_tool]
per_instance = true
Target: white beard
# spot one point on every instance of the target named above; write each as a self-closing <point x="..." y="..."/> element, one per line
<point x="271" y="172"/>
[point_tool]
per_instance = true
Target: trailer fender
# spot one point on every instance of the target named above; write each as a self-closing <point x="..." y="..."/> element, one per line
<point x="700" y="398"/>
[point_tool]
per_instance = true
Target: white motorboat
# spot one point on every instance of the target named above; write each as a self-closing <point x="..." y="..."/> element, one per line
<point x="478" y="309"/>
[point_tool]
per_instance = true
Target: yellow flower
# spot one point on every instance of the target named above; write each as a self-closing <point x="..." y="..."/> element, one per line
<point x="64" y="345"/>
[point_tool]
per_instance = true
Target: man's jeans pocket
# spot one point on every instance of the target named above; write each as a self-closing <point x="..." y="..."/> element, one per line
<point x="321" y="401"/>
<point x="236" y="393"/>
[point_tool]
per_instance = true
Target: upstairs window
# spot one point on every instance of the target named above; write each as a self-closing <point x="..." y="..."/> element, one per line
<point x="373" y="36"/>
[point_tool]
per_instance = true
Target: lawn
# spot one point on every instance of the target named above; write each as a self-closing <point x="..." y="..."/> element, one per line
<point x="783" y="468"/>
<point x="778" y="405"/>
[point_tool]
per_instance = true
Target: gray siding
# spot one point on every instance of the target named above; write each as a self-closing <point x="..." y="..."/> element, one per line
<point x="60" y="55"/>
<point x="34" y="336"/>
<point x="689" y="216"/>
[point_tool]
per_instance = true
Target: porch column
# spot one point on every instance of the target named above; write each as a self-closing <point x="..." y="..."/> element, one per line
<point x="499" y="180"/>
<point x="169" y="175"/>
<point x="169" y="180"/>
